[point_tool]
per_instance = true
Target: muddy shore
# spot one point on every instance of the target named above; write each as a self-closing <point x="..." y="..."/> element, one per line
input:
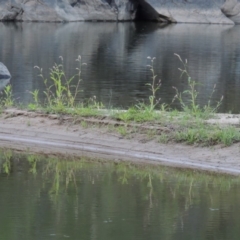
<point x="39" y="133"/>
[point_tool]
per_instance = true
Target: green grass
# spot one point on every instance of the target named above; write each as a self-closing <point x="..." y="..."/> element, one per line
<point x="136" y="115"/>
<point x="163" y="138"/>
<point x="122" y="130"/>
<point x="208" y="135"/>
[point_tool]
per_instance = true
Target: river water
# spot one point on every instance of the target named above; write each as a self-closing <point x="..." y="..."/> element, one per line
<point x="116" y="56"/>
<point x="45" y="199"/>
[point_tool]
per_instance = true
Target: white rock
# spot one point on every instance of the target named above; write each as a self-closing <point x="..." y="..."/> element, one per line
<point x="4" y="73"/>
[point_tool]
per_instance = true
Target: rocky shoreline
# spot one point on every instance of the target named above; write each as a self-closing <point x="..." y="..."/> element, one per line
<point x="172" y="11"/>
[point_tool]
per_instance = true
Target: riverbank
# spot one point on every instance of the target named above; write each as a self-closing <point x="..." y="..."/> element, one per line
<point x="95" y="137"/>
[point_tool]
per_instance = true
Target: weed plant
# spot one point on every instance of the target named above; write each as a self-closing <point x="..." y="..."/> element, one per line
<point x="191" y="93"/>
<point x="7" y="99"/>
<point x="154" y="86"/>
<point x="60" y="91"/>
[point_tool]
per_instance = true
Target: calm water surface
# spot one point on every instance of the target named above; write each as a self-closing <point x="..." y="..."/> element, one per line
<point x="45" y="199"/>
<point x="116" y="56"/>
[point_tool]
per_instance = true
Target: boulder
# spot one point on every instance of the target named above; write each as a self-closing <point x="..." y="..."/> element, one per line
<point x="184" y="11"/>
<point x="4" y="73"/>
<point x="64" y="10"/>
<point x="231" y="8"/>
<point x="4" y="76"/>
<point x="191" y="11"/>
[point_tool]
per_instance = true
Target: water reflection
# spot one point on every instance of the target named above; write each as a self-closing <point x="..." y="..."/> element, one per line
<point x="42" y="198"/>
<point x="116" y="54"/>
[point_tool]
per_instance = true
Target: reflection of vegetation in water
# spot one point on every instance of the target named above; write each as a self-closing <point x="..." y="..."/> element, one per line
<point x="61" y="172"/>
<point x="66" y="170"/>
<point x="7" y="155"/>
<point x="185" y="181"/>
<point x="160" y="194"/>
<point x="32" y="160"/>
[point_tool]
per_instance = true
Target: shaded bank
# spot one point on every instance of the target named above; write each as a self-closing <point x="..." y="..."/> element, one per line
<point x="198" y="11"/>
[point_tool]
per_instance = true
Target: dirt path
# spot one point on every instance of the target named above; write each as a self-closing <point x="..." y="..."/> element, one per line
<point x="40" y="134"/>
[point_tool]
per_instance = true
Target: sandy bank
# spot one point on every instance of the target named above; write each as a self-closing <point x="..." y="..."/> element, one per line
<point x="38" y="133"/>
